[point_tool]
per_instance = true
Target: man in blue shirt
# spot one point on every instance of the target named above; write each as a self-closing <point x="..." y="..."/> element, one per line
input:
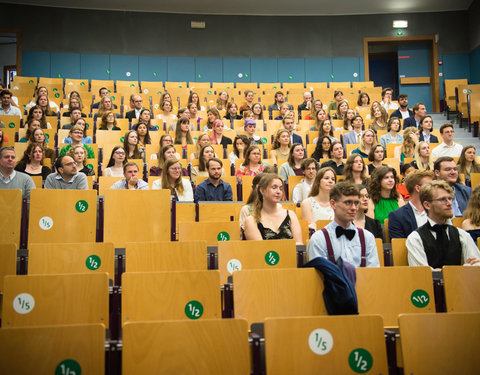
<point x="213" y="189"/>
<point x="341" y="238"/>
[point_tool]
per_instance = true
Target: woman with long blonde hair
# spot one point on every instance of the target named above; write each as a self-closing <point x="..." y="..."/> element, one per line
<point x="423" y="157"/>
<point x="407" y="148"/>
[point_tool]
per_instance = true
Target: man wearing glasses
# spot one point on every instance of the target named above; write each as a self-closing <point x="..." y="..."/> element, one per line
<point x="136" y="103"/>
<point x="66" y="176"/>
<point x="446" y="169"/>
<point x="341" y="238"/>
<point x="438" y="243"/>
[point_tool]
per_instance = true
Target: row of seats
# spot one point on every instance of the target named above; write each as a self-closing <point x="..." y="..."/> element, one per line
<point x="302" y="345"/>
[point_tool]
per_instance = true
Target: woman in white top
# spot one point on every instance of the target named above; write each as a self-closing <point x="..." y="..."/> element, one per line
<point x="206" y="153"/>
<point x="240" y="145"/>
<point x="116" y="162"/>
<point x="167" y="114"/>
<point x="42" y="91"/>
<point x="179" y="187"/>
<point x="281" y="146"/>
<point x="317" y="205"/>
<point x="203" y="140"/>
<point x="302" y="190"/>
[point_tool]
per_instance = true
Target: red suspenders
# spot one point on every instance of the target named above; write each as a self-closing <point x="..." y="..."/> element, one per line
<point x="331" y="256"/>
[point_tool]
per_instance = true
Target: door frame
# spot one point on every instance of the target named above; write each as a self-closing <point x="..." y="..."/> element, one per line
<point x="18" y="35"/>
<point x="402" y="40"/>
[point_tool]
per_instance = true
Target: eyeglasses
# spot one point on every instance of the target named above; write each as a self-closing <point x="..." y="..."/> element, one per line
<point x="444" y="200"/>
<point x="119" y="153"/>
<point x="350" y="203"/>
<point x="176" y="169"/>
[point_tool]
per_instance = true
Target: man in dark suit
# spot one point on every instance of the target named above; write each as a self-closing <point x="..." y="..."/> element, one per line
<point x="446" y="169"/>
<point x="402" y="111"/>
<point x="419" y="111"/>
<point x="409" y="217"/>
<point x="289" y="123"/>
<point x="306" y="105"/>
<point x="136" y="103"/>
<point x="279" y="100"/>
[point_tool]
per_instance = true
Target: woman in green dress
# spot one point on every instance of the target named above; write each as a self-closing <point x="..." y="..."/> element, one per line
<point x="383" y="192"/>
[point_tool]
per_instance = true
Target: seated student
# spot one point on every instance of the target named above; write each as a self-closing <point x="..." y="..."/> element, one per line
<point x="136" y="103"/>
<point x="182" y="132"/>
<point x="74" y="115"/>
<point x="206" y="153"/>
<point x="130" y="144"/>
<point x="31" y="125"/>
<point x="109" y="121"/>
<point x="363" y="102"/>
<point x="368" y="141"/>
<point x="118" y="158"/>
<point x="471" y="222"/>
<point x="38" y="136"/>
<point x="317" y="205"/>
<point x="222" y="101"/>
<point x="383" y="192"/>
<point x="217" y="136"/>
<point x="44" y="103"/>
<point x="195" y="99"/>
<point x="422" y="157"/>
<point x="74" y="103"/>
<point x="213" y="188"/>
<point x="376" y="156"/>
<point x="166" y="152"/>
<point x="341" y="113"/>
<point x="281" y="146"/>
<point x="172" y="179"/>
<point x="232" y="112"/>
<point x="387" y="102"/>
<point x="252" y="164"/>
<point x="145" y="118"/>
<point x="279" y="100"/>
<point x="355" y="170"/>
<point x="79" y="155"/>
<point x="257" y="113"/>
<point x="402" y="112"/>
<point x="203" y="139"/>
<point x="344" y="237"/>
<point x="293" y="166"/>
<point x="467" y="163"/>
<point x="407" y="148"/>
<point x="336" y="155"/>
<point x="167" y="114"/>
<point x="268" y="220"/>
<point x="302" y="190"/>
<point x="307" y="103"/>
<point x="446" y="169"/>
<point x="6" y="107"/>
<point x="101" y="94"/>
<point x="105" y="105"/>
<point x="288" y="123"/>
<point x="405" y="170"/>
<point x="426" y="126"/>
<point x="393" y="136"/>
<point x="240" y="145"/>
<point x="314" y="113"/>
<point x="76" y="135"/>
<point x="322" y="149"/>
<point x="32" y="162"/>
<point x="86" y="138"/>
<point x="419" y="111"/>
<point x="143" y="135"/>
<point x="438" y="243"/>
<point x="11" y="179"/>
<point x="354" y="137"/>
<point x="337" y="98"/>
<point x="362" y="220"/>
<point x="42" y="91"/>
<point x="212" y="115"/>
<point x="67" y="176"/>
<point x="406" y="219"/>
<point x="131" y="180"/>
<point x="319" y="116"/>
<point x="247" y="106"/>
<point x="37" y="113"/>
<point x="325" y="129"/>
<point x="448" y="147"/>
<point x="284" y="107"/>
<point x="250" y="126"/>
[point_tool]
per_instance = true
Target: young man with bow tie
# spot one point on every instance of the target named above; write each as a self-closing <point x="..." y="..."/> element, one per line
<point x="438" y="243"/>
<point x="341" y="238"/>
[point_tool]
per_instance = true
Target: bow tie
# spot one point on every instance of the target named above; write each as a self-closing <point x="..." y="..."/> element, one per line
<point x="439" y="227"/>
<point x="349" y="233"/>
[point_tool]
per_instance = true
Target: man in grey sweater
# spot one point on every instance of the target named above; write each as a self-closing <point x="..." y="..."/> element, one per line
<point x="66" y="176"/>
<point x="11" y="179"/>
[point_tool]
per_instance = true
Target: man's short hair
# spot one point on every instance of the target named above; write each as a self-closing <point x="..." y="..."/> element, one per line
<point x="278" y="93"/>
<point x="59" y="162"/>
<point x="416" y="106"/>
<point x="288" y="115"/>
<point x="5" y="92"/>
<point x="100" y="90"/>
<point x="6" y="149"/>
<point x="438" y="163"/>
<point x="214" y="159"/>
<point x="344" y="188"/>
<point x="384" y="91"/>
<point x="444" y="126"/>
<point x="246" y="92"/>
<point x="75" y="109"/>
<point x="309" y="161"/>
<point x="426" y="191"/>
<point x="414" y="178"/>
<point x="129" y="164"/>
<point x="336" y="92"/>
<point x="402" y="96"/>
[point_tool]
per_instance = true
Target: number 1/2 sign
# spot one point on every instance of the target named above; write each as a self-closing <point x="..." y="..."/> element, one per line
<point x="193" y="310"/>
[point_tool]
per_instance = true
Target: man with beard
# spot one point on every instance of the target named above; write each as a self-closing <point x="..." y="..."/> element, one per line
<point x="213" y="189"/>
<point x="402" y="111"/>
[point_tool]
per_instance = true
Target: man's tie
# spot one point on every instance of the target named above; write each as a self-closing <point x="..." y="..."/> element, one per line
<point x="349" y="233"/>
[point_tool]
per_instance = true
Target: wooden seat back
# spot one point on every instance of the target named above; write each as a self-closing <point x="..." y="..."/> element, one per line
<point x="399" y="252"/>
<point x="166" y="256"/>
<point x="11" y="219"/>
<point x="240" y="255"/>
<point x="440" y="343"/>
<point x="259" y="294"/>
<point x="58" y="216"/>
<point x="175" y="295"/>
<point x="462" y="288"/>
<point x="302" y="345"/>
<point x="186" y="347"/>
<point x="212" y="232"/>
<point x="390" y="291"/>
<point x="37" y="300"/>
<point x="53" y="349"/>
